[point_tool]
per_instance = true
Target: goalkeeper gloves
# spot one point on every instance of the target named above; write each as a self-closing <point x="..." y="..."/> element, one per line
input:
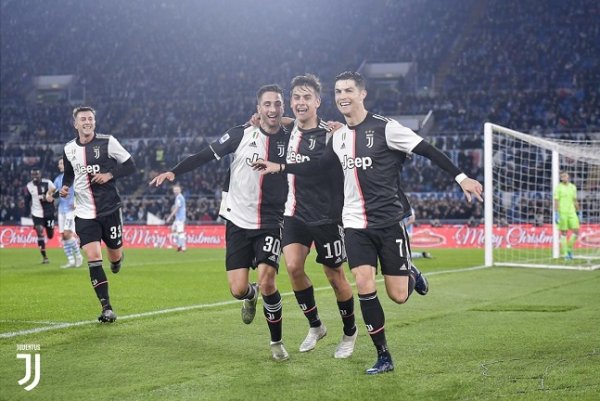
<point x="556" y="217"/>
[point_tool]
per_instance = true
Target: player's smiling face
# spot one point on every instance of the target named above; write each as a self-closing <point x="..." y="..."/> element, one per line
<point x="348" y="97"/>
<point x="270" y="110"/>
<point x="305" y="103"/>
<point x="85" y="123"/>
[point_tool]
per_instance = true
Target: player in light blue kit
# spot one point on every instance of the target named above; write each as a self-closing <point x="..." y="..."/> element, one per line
<point x="178" y="212"/>
<point x="66" y="220"/>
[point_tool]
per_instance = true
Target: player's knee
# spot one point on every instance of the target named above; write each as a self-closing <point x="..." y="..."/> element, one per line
<point x="398" y="295"/>
<point x="295" y="271"/>
<point x="238" y="290"/>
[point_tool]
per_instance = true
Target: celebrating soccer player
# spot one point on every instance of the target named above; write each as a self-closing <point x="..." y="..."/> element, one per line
<point x="42" y="210"/>
<point x="92" y="164"/>
<point x="367" y="147"/>
<point x="253" y="207"/>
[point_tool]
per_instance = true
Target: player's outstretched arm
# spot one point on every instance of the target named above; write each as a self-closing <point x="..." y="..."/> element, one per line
<point x="159" y="179"/>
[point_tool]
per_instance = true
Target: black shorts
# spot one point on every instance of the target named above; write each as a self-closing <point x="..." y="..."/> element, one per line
<point x="47" y="222"/>
<point x="107" y="228"/>
<point x="249" y="248"/>
<point x="388" y="244"/>
<point x="328" y="239"/>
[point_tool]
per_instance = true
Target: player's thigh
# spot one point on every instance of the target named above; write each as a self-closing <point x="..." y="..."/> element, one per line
<point x="295" y="232"/>
<point x="239" y="252"/>
<point x="573" y="222"/>
<point x="329" y="242"/>
<point x="88" y="230"/>
<point x="68" y="222"/>
<point x="178" y="227"/>
<point x="360" y="248"/>
<point x="267" y="247"/>
<point x="112" y="229"/>
<point x="394" y="250"/>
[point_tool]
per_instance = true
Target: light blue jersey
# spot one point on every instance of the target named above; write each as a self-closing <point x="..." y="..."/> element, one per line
<point x="64" y="204"/>
<point x="180" y="205"/>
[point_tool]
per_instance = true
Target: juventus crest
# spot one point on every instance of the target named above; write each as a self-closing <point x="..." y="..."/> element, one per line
<point x="96" y="152"/>
<point x="311" y="143"/>
<point x="280" y="149"/>
<point x="370" y="135"/>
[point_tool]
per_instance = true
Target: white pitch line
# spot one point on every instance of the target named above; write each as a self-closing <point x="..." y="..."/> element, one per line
<point x="186" y="308"/>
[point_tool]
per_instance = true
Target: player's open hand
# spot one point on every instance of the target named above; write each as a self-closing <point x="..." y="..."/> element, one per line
<point x="266" y="167"/>
<point x="159" y="179"/>
<point x="472" y="188"/>
<point x="101" y="178"/>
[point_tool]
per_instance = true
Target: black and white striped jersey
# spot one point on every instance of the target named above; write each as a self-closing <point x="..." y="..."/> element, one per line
<point x="369" y="154"/>
<point x="37" y="193"/>
<point x="313" y="199"/>
<point x="101" y="155"/>
<point x="252" y="200"/>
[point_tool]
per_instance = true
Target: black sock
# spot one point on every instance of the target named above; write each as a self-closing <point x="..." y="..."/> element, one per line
<point x="306" y="301"/>
<point x="374" y="320"/>
<point x="42" y="245"/>
<point x="412" y="279"/>
<point x="347" y="313"/>
<point x="272" y="309"/>
<point x="99" y="282"/>
<point x="117" y="264"/>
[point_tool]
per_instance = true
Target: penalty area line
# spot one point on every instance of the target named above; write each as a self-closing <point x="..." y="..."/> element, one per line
<point x="58" y="326"/>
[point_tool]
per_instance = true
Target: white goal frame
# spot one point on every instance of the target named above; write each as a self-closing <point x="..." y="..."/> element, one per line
<point x="589" y="154"/>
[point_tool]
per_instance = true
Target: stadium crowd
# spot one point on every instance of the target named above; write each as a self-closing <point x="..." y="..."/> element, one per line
<point x="532" y="66"/>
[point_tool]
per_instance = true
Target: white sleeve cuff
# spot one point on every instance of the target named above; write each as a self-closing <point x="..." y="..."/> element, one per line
<point x="460" y="178"/>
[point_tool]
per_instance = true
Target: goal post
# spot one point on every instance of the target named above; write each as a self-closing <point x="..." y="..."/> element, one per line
<point x="521" y="175"/>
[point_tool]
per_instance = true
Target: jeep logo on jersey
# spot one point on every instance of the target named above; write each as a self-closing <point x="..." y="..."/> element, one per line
<point x="250" y="160"/>
<point x="96" y="152"/>
<point x="357" y="162"/>
<point x="89" y="169"/>
<point x="311" y="143"/>
<point x="370" y="138"/>
<point x="295" y="157"/>
<point x="280" y="149"/>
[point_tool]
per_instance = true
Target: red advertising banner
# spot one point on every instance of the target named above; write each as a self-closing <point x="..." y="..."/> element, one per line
<point x="133" y="237"/>
<point x="424" y="236"/>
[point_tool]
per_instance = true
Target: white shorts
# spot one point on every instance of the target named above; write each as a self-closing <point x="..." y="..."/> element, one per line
<point x="178" y="226"/>
<point x="66" y="221"/>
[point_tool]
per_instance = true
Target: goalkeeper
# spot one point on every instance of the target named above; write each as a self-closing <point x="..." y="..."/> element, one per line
<point x="566" y="214"/>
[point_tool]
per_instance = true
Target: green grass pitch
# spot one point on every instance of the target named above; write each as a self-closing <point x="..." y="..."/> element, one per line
<point x="480" y="334"/>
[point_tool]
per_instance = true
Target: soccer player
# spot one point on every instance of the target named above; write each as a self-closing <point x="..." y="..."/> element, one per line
<point x="566" y="214"/>
<point x="253" y="207"/>
<point x="178" y="213"/>
<point x="367" y="147"/>
<point x="409" y="223"/>
<point x="42" y="211"/>
<point x="66" y="219"/>
<point x="92" y="164"/>
<point x="313" y="215"/>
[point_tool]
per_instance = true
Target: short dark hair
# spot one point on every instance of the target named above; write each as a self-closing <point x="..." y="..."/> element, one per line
<point x="268" y="88"/>
<point x="309" y="80"/>
<point x="80" y="109"/>
<point x="352" y="75"/>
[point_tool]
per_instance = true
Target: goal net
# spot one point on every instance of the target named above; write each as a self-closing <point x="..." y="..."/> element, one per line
<point x="521" y="177"/>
